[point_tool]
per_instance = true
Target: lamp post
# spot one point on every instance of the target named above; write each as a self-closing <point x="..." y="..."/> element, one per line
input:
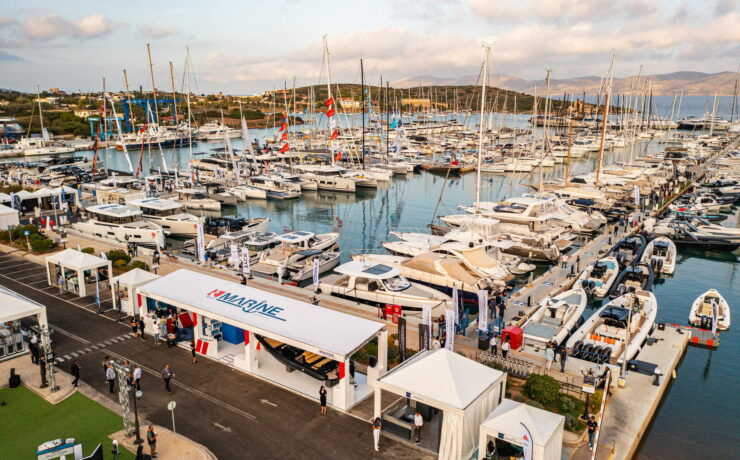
<point x="138" y="440"/>
<point x="588" y="388"/>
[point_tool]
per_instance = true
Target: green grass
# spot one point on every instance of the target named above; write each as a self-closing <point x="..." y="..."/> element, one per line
<point x="28" y="420"/>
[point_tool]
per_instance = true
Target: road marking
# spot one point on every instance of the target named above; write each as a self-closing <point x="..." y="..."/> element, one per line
<point x="25" y="270"/>
<point x="226" y="429"/>
<point x="268" y="402"/>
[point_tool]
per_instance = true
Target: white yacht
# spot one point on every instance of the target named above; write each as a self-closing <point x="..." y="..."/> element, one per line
<point x="661" y="254"/>
<point x="33" y="146"/>
<point x="216" y="131"/>
<point x="597" y="278"/>
<point x="245" y="192"/>
<point x="556" y="317"/>
<point x="378" y="284"/>
<point x="167" y="214"/>
<point x="329" y="177"/>
<point x="196" y="199"/>
<point x="701" y="311"/>
<point x="120" y="223"/>
<point x="617" y="330"/>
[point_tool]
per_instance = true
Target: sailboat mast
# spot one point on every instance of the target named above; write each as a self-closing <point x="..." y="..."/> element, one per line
<point x="486" y="50"/>
<point x="154" y="87"/>
<point x="41" y="118"/>
<point x="105" y="131"/>
<point x="187" y="99"/>
<point x="387" y="119"/>
<point x="545" y="125"/>
<point x="328" y="94"/>
<point x="570" y="142"/>
<point x="362" y="97"/>
<point x="174" y="96"/>
<point x="604" y="121"/>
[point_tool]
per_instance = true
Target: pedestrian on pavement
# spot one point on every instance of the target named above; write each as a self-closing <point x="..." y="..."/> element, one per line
<point x="192" y="351"/>
<point x="60" y="283"/>
<point x="322" y="399"/>
<point x="418" y="423"/>
<point x="141" y="327"/>
<point x="157" y="329"/>
<point x="505" y="347"/>
<point x="500" y="323"/>
<point x="563" y="357"/>
<point x="106" y="363"/>
<point x="494" y="345"/>
<point x="592" y="425"/>
<point x="377" y="425"/>
<point x="33" y="346"/>
<point x="42" y="370"/>
<point x="578" y="263"/>
<point x="75" y="371"/>
<point x="110" y="377"/>
<point x="137" y="377"/>
<point x="564" y="260"/>
<point x="135" y="327"/>
<point x="166" y="376"/>
<point x="549" y="356"/>
<point x="242" y="279"/>
<point x="151" y="439"/>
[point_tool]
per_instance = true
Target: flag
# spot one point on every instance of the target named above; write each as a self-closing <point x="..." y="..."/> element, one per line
<point x="334" y="135"/>
<point x="455" y="303"/>
<point x="329" y="101"/>
<point x="284" y="148"/>
<point x="234" y="256"/>
<point x="330" y="112"/>
<point x="316" y="271"/>
<point x="201" y="244"/>
<point x="426" y="315"/>
<point x="483" y="310"/>
<point x="284" y="137"/>
<point x="246" y="269"/>
<point x="97" y="290"/>
<point x="636" y="192"/>
<point x="527" y="442"/>
<point x="284" y="126"/>
<point x="714" y="317"/>
<point x="450" y="326"/>
<point x="79" y="248"/>
<point x="339" y="156"/>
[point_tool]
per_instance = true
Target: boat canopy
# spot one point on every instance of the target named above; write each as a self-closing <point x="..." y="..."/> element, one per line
<point x="367" y="270"/>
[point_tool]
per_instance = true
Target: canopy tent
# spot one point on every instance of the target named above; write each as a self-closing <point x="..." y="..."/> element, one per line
<point x="465" y="390"/>
<point x="83" y="266"/>
<point x="328" y="333"/>
<point x="9" y="217"/>
<point x="512" y="421"/>
<point x="14" y="307"/>
<point x="124" y="289"/>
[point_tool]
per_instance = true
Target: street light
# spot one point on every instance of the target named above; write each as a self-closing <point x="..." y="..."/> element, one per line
<point x="589" y="388"/>
<point x="138" y="440"/>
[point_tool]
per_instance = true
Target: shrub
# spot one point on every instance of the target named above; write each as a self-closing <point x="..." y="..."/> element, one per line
<point x="40" y="243"/>
<point x="594" y="402"/>
<point x="518" y="397"/>
<point x="88" y="250"/>
<point x="542" y="388"/>
<point x="119" y="264"/>
<point x="572" y="424"/>
<point x="566" y="405"/>
<point x="534" y="403"/>
<point x="138" y="264"/>
<point x="117" y="254"/>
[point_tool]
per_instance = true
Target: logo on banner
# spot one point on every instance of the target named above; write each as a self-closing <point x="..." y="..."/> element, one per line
<point x="246" y="304"/>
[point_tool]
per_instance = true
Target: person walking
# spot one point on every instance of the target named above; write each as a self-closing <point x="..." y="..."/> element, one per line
<point x="137" y="377"/>
<point x="135" y="327"/>
<point x="166" y="376"/>
<point x="75" y="371"/>
<point x="33" y="346"/>
<point x="563" y="356"/>
<point x="192" y="351"/>
<point x="322" y="399"/>
<point x="60" y="283"/>
<point x="494" y="345"/>
<point x="505" y="347"/>
<point x="377" y="425"/>
<point x="592" y="426"/>
<point x="157" y="329"/>
<point x="418" y="423"/>
<point x="151" y="439"/>
<point x="141" y="327"/>
<point x="106" y="363"/>
<point x="564" y="260"/>
<point x="549" y="356"/>
<point x="110" y="377"/>
<point x="500" y="323"/>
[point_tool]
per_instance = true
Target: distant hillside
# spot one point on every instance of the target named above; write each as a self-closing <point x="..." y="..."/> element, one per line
<point x="691" y="83"/>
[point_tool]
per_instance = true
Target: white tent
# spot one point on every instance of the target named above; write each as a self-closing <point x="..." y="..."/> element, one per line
<point x="466" y="391"/>
<point x="84" y="267"/>
<point x="512" y="420"/>
<point x="123" y="289"/>
<point x="13" y="307"/>
<point x="8" y="217"/>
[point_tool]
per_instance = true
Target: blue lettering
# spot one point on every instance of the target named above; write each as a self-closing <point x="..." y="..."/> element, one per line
<point x="251" y="305"/>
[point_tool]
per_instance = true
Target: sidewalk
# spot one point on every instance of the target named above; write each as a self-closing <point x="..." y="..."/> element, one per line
<point x="31" y="379"/>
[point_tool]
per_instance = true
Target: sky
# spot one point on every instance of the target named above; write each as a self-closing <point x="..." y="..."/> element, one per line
<point x="248" y="46"/>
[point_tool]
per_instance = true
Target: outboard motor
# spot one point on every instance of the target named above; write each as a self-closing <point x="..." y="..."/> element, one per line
<point x="586" y="352"/>
<point x="576" y="352"/>
<point x="606" y="353"/>
<point x="659" y="264"/>
<point x="596" y="356"/>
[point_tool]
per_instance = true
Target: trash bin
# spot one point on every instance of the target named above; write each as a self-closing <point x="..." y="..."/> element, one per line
<point x="483" y="341"/>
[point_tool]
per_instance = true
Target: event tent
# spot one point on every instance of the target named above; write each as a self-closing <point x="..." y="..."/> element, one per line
<point x="123" y="289"/>
<point x="512" y="421"/>
<point x="466" y="391"/>
<point x="78" y="262"/>
<point x="13" y="307"/>
<point x="8" y="217"/>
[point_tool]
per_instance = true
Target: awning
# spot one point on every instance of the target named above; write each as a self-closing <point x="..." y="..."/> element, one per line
<point x="15" y="306"/>
<point x="135" y="277"/>
<point x="72" y="258"/>
<point x="331" y="332"/>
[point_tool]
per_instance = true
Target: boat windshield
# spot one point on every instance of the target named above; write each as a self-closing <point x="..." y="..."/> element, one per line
<point x="397" y="283"/>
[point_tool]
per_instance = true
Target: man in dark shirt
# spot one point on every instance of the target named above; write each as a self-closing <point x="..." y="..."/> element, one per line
<point x="500" y="323"/>
<point x="592" y="425"/>
<point x="75" y="370"/>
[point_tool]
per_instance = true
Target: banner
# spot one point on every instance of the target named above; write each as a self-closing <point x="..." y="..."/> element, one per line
<point x="714" y="317"/>
<point x="636" y="192"/>
<point x="234" y="256"/>
<point x="455" y="305"/>
<point x="97" y="290"/>
<point x="402" y="339"/>
<point x="426" y="315"/>
<point x="450" y="326"/>
<point x="246" y="269"/>
<point x="526" y="442"/>
<point x="483" y="310"/>
<point x="425" y="336"/>
<point x="316" y="272"/>
<point x="200" y="243"/>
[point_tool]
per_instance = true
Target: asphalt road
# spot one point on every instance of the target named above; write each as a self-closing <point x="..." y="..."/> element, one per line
<point x="235" y="415"/>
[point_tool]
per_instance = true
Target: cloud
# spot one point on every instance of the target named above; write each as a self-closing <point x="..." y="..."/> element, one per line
<point x="6" y="21"/>
<point x="52" y="26"/>
<point x="94" y="25"/>
<point x="723" y="7"/>
<point x="5" y="56"/>
<point x="150" y="31"/>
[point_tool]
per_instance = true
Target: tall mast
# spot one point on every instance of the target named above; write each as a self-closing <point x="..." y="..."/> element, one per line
<point x="187" y="99"/>
<point x="606" y="116"/>
<point x="734" y="100"/>
<point x="570" y="142"/>
<point x="128" y="98"/>
<point x="486" y="50"/>
<point x="328" y="94"/>
<point x="174" y="96"/>
<point x="154" y="87"/>
<point x="41" y="118"/>
<point x="545" y="124"/>
<point x="362" y="98"/>
<point x="387" y="119"/>
<point x="714" y="113"/>
<point x="105" y="131"/>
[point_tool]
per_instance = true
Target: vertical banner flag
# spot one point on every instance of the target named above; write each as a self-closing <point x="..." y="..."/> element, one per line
<point x="246" y="269"/>
<point x="97" y="290"/>
<point x="714" y="316"/>
<point x="402" y="339"/>
<point x="200" y="242"/>
<point x="425" y="328"/>
<point x="455" y="305"/>
<point x="636" y="193"/>
<point x="527" y="442"/>
<point x="316" y="271"/>
<point x="426" y="315"/>
<point x="234" y="256"/>
<point x="483" y="310"/>
<point x="450" y="326"/>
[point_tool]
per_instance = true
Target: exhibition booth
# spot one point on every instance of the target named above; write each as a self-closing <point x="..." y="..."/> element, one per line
<point x="9" y="217"/>
<point x="123" y="290"/>
<point x="289" y="342"/>
<point x="453" y="394"/>
<point x="81" y="271"/>
<point x="13" y="308"/>
<point x="537" y="432"/>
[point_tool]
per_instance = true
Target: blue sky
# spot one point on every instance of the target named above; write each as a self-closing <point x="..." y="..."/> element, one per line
<point x="249" y="46"/>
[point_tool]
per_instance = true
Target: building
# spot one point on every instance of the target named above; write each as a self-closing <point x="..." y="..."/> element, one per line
<point x="417" y="102"/>
<point x="53" y="100"/>
<point x="348" y="103"/>
<point x="84" y="113"/>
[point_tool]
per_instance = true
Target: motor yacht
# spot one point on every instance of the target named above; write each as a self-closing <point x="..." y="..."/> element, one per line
<point x="556" y="317"/>
<point x="167" y="214"/>
<point x="638" y="277"/>
<point x="660" y="254"/>
<point x="702" y="311"/>
<point x="120" y="223"/>
<point x="196" y="199"/>
<point x="597" y="278"/>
